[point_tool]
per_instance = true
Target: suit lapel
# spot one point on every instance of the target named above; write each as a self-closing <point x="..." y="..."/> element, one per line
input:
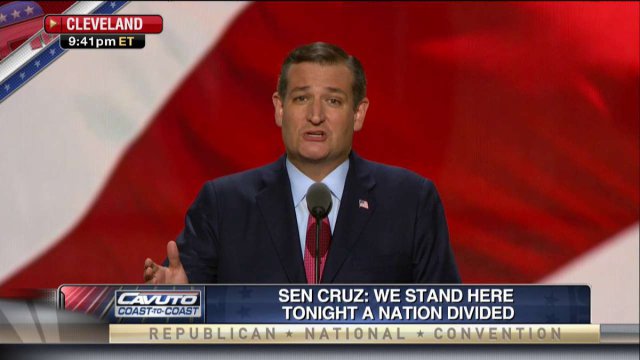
<point x="276" y="205"/>
<point x="356" y="207"/>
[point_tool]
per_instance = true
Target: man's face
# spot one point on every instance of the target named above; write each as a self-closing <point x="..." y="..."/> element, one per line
<point x="317" y="114"/>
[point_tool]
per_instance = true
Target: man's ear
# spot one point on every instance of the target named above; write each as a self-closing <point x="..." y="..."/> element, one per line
<point x="277" y="107"/>
<point x="361" y="112"/>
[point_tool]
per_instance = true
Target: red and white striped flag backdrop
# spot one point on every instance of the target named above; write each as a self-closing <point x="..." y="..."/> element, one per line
<point x="526" y="116"/>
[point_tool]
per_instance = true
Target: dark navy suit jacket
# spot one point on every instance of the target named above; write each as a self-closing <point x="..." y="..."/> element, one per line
<point x="242" y="229"/>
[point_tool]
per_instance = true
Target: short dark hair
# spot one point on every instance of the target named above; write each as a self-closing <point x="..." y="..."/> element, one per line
<point x="325" y="54"/>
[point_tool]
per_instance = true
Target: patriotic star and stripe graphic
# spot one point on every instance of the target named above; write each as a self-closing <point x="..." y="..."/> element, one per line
<point x="14" y="74"/>
<point x="17" y="12"/>
<point x="525" y="116"/>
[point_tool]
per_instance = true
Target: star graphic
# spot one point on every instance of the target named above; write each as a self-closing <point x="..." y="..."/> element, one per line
<point x="15" y="14"/>
<point x="28" y="10"/>
<point x="3" y="18"/>
<point x="289" y="333"/>
<point x="37" y="63"/>
<point x="113" y="4"/>
<point x="245" y="292"/>
<point x="244" y="312"/>
<point x="551" y="299"/>
<point x="22" y="75"/>
<point x="7" y="87"/>
<point x="420" y="333"/>
<point x="52" y="52"/>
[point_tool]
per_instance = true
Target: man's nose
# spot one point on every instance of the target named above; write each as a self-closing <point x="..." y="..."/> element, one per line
<point x="315" y="114"/>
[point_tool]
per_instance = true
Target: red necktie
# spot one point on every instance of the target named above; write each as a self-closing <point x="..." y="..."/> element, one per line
<point x="310" y="247"/>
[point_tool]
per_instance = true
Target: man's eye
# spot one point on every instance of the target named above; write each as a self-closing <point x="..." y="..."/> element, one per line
<point x="334" y="101"/>
<point x="300" y="98"/>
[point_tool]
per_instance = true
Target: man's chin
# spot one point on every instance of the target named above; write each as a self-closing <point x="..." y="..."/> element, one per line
<point x="313" y="159"/>
<point x="313" y="154"/>
<point x="322" y="159"/>
<point x="316" y="157"/>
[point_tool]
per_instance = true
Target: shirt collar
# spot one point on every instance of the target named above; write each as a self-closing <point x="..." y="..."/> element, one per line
<point x="300" y="182"/>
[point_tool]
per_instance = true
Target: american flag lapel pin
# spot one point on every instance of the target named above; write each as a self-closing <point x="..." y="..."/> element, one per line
<point x="363" y="204"/>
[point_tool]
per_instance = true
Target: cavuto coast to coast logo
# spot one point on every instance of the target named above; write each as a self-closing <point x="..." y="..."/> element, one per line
<point x="172" y="304"/>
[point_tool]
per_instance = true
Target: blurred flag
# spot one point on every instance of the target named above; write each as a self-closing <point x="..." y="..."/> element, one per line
<point x="525" y="115"/>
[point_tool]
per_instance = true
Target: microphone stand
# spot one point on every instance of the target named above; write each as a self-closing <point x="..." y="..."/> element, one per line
<point x="319" y="205"/>
<point x="317" y="257"/>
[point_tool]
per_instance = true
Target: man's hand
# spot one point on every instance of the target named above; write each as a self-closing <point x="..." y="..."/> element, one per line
<point x="158" y="274"/>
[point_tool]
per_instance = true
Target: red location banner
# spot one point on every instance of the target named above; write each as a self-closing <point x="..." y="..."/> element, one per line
<point x="103" y="24"/>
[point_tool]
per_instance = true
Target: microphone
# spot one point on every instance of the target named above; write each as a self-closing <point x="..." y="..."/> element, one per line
<point x="319" y="204"/>
<point x="319" y="200"/>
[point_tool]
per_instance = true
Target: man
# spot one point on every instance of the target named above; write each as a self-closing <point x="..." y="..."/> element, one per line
<point x="386" y="225"/>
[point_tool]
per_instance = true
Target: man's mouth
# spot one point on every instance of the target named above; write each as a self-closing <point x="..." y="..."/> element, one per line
<point x="316" y="135"/>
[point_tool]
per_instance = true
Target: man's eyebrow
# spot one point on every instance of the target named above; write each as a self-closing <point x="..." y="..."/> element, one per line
<point x="337" y="90"/>
<point x="300" y="88"/>
<point x="329" y="88"/>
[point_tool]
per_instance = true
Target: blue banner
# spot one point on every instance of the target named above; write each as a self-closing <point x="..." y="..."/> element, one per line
<point x="332" y="304"/>
<point x="495" y="304"/>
